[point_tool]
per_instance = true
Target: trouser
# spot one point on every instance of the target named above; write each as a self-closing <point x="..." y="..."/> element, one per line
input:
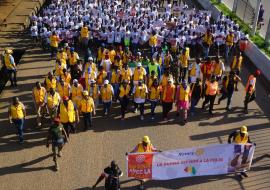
<point x="141" y="105"/>
<point x="166" y="108"/>
<point x="183" y="73"/>
<point x="41" y="111"/>
<point x="124" y="104"/>
<point x="106" y="107"/>
<point x="87" y="119"/>
<point x="211" y="99"/>
<point x="115" y="90"/>
<point x="206" y="50"/>
<point x="55" y="149"/>
<point x="194" y="102"/>
<point x="249" y="98"/>
<point x="153" y="107"/>
<point x="84" y="42"/>
<point x="53" y="112"/>
<point x="12" y="76"/>
<point x="227" y="51"/>
<point x="227" y="95"/>
<point x="53" y="51"/>
<point x="68" y="126"/>
<point x="19" y="125"/>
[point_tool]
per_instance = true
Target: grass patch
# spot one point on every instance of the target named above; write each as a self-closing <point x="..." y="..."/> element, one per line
<point x="256" y="39"/>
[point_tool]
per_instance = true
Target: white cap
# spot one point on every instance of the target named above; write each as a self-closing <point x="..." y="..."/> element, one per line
<point x="90" y="58"/>
<point x="139" y="64"/>
<point x="75" y="81"/>
<point x="170" y="80"/>
<point x="93" y="81"/>
<point x="106" y="82"/>
<point x="65" y="44"/>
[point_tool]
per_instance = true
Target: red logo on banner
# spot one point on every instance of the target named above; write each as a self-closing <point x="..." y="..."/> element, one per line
<point x="140" y="166"/>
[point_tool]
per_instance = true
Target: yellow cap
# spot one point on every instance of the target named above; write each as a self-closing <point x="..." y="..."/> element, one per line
<point x="146" y="139"/>
<point x="243" y="129"/>
<point x="85" y="93"/>
<point x="8" y="51"/>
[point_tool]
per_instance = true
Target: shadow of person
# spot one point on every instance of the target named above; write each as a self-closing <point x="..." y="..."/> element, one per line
<point x="25" y="167"/>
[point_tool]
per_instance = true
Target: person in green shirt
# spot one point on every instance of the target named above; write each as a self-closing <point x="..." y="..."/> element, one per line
<point x="57" y="136"/>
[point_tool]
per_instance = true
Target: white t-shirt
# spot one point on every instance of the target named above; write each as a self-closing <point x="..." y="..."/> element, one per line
<point x="110" y="38"/>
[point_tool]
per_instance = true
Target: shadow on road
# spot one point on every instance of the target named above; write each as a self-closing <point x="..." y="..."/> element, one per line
<point x="26" y="167"/>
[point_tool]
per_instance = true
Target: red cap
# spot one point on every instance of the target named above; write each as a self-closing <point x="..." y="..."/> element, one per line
<point x="65" y="98"/>
<point x="56" y="120"/>
<point x="258" y="72"/>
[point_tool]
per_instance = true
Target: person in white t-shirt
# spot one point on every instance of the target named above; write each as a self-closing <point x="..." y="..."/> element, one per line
<point x="110" y="36"/>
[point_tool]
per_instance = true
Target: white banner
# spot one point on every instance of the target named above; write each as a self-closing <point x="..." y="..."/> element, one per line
<point x="198" y="161"/>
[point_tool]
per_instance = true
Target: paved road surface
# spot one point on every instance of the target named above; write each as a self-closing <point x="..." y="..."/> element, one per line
<point x="29" y="166"/>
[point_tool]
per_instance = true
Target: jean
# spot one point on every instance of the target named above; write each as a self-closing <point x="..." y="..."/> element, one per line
<point x="12" y="76"/>
<point x="116" y="89"/>
<point x="206" y="50"/>
<point x="106" y="107"/>
<point x="227" y="51"/>
<point x="153" y="107"/>
<point x="87" y="119"/>
<point x="194" y="102"/>
<point x="19" y="125"/>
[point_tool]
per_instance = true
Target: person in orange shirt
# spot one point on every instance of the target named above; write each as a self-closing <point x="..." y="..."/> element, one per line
<point x="210" y="93"/>
<point x="251" y="89"/>
<point x="168" y="98"/>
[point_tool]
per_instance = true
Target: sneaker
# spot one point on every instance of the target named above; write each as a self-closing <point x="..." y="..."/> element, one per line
<point x="106" y="113"/>
<point x="228" y="108"/>
<point x="59" y="154"/>
<point x="136" y="110"/>
<point x="142" y="118"/>
<point x="39" y="124"/>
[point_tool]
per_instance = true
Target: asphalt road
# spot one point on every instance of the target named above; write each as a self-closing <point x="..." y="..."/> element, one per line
<point x="30" y="166"/>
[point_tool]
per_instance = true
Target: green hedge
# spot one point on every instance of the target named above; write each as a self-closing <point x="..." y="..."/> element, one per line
<point x="256" y="39"/>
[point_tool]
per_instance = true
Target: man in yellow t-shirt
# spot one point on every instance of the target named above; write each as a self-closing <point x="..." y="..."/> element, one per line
<point x="54" y="40"/>
<point x="39" y="95"/>
<point x="87" y="108"/>
<point x="17" y="116"/>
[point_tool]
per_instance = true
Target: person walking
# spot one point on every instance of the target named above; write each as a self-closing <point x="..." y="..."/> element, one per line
<point x="111" y="174"/>
<point x="63" y="88"/>
<point x="196" y="91"/>
<point x="52" y="101"/>
<point x="210" y="93"/>
<point x="10" y="67"/>
<point x="106" y="93"/>
<point x="167" y="98"/>
<point x="228" y="88"/>
<point x="76" y="92"/>
<point x="140" y="92"/>
<point x="17" y="116"/>
<point x="183" y="63"/>
<point x="154" y="97"/>
<point x="236" y="66"/>
<point x="124" y="92"/>
<point x="54" y="41"/>
<point x="94" y="92"/>
<point x="229" y="44"/>
<point x="87" y="108"/>
<point x="182" y="100"/>
<point x="50" y="82"/>
<point x="57" y="136"/>
<point x="240" y="137"/>
<point x="251" y="90"/>
<point x="68" y="114"/>
<point x="39" y="95"/>
<point x="208" y="40"/>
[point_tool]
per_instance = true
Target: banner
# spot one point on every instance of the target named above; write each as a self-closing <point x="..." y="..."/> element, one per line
<point x="198" y="161"/>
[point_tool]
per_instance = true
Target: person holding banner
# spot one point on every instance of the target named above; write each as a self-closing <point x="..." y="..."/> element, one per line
<point x="240" y="137"/>
<point x="144" y="146"/>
